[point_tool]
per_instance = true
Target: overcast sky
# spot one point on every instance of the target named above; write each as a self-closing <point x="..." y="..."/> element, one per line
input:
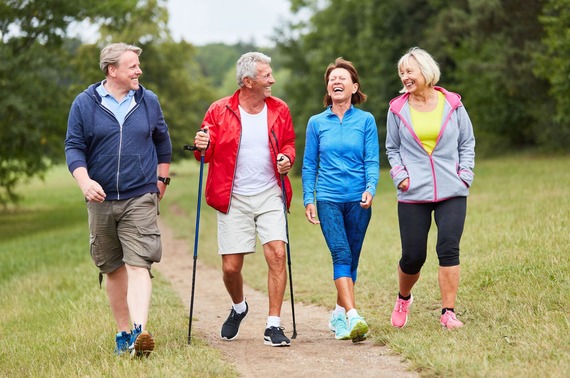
<point x="230" y="21"/>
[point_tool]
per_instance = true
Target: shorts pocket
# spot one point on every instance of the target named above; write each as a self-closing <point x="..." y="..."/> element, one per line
<point x="96" y="255"/>
<point x="149" y="237"/>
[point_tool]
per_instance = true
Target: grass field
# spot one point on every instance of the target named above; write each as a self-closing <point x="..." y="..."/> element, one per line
<point x="514" y="296"/>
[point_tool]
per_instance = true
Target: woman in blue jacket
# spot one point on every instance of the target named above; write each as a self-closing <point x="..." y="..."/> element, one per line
<point x="431" y="149"/>
<point x="341" y="164"/>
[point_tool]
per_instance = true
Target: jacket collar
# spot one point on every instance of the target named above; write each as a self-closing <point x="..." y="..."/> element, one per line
<point x="452" y="98"/>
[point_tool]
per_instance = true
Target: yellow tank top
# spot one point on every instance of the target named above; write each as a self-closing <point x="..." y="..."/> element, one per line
<point x="428" y="124"/>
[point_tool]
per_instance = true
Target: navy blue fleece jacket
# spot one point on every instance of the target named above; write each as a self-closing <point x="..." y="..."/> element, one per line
<point x="122" y="159"/>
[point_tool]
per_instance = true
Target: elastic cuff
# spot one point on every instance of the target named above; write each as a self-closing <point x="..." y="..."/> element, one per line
<point x="341" y="271"/>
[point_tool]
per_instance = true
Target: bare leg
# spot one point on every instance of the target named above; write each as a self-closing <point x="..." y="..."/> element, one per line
<point x="116" y="288"/>
<point x="406" y="281"/>
<point x="139" y="293"/>
<point x="277" y="276"/>
<point x="345" y="293"/>
<point x="448" y="277"/>
<point x="231" y="268"/>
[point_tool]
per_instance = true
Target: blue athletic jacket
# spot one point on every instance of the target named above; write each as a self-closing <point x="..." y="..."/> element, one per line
<point x="123" y="160"/>
<point x="341" y="159"/>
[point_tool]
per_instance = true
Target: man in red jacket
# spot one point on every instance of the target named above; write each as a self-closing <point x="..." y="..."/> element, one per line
<point x="249" y="143"/>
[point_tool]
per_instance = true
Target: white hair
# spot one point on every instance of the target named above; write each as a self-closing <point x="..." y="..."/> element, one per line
<point x="246" y="65"/>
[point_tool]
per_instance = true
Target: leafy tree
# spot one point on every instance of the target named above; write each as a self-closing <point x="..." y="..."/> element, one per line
<point x="370" y="33"/>
<point x="33" y="80"/>
<point x="42" y="70"/>
<point x="552" y="64"/>
<point x="508" y="61"/>
<point x="485" y="48"/>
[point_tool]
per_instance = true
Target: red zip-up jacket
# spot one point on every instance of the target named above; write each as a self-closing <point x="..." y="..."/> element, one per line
<point x="224" y="128"/>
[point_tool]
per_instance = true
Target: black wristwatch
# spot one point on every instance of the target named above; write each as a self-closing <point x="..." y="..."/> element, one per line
<point x="165" y="180"/>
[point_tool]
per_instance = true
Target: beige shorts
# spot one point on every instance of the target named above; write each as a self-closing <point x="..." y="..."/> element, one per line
<point x="124" y="231"/>
<point x="262" y="214"/>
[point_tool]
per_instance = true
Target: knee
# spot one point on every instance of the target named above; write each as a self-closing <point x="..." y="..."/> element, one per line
<point x="275" y="255"/>
<point x="411" y="265"/>
<point x="231" y="269"/>
<point x="448" y="253"/>
<point x="449" y="259"/>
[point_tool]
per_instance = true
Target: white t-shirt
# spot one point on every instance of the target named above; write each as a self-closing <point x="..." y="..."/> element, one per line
<point x="254" y="171"/>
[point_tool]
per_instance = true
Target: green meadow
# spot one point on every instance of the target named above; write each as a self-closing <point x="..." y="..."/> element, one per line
<point x="514" y="296"/>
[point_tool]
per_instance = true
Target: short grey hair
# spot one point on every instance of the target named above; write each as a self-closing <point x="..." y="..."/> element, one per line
<point x="428" y="66"/>
<point x="246" y="65"/>
<point x="111" y="54"/>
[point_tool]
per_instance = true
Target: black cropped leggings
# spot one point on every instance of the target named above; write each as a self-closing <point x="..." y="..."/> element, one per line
<point x="415" y="222"/>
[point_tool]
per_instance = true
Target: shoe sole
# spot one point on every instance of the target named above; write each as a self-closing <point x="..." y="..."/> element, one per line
<point x="237" y="334"/>
<point x="359" y="338"/>
<point x="270" y="343"/>
<point x="443" y="326"/>
<point x="343" y="337"/>
<point x="144" y="344"/>
<point x="359" y="330"/>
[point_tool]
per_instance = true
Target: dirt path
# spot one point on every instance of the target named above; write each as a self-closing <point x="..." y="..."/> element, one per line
<point x="314" y="352"/>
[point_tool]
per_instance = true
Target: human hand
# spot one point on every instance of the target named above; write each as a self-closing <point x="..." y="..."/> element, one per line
<point x="404" y="185"/>
<point x="202" y="139"/>
<point x="366" y="200"/>
<point x="283" y="164"/>
<point x="310" y="213"/>
<point x="92" y="190"/>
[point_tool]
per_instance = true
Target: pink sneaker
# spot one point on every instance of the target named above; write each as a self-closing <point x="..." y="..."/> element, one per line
<point x="449" y="320"/>
<point x="400" y="314"/>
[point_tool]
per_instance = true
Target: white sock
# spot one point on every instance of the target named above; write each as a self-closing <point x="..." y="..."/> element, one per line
<point x="273" y="321"/>
<point x="240" y="307"/>
<point x="339" y="310"/>
<point x="352" y="313"/>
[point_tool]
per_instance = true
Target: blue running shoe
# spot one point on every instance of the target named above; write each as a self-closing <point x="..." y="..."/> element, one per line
<point x="338" y="325"/>
<point x="123" y="339"/>
<point x="358" y="329"/>
<point x="142" y="342"/>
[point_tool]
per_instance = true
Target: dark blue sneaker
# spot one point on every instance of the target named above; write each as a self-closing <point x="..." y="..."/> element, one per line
<point x="123" y="339"/>
<point x="142" y="342"/>
<point x="275" y="337"/>
<point x="230" y="328"/>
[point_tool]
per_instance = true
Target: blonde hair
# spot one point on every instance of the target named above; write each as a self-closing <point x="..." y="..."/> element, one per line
<point x="111" y="54"/>
<point x="428" y="66"/>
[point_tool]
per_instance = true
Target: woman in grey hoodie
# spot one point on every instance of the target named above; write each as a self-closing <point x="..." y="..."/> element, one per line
<point x="431" y="149"/>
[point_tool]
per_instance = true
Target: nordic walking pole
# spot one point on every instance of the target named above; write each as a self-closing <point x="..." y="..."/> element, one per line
<point x="289" y="256"/>
<point x="196" y="234"/>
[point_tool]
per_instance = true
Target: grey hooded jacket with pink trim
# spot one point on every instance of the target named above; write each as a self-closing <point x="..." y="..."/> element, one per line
<point x="445" y="173"/>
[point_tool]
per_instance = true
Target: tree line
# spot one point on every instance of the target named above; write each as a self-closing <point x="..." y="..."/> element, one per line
<point x="508" y="59"/>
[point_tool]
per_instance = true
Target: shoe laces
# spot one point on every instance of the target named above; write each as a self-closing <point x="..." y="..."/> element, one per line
<point x="339" y="321"/>
<point x="235" y="317"/>
<point x="276" y="330"/>
<point x="450" y="319"/>
<point x="402" y="305"/>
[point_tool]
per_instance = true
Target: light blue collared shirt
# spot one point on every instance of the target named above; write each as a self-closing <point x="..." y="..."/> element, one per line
<point x="121" y="109"/>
